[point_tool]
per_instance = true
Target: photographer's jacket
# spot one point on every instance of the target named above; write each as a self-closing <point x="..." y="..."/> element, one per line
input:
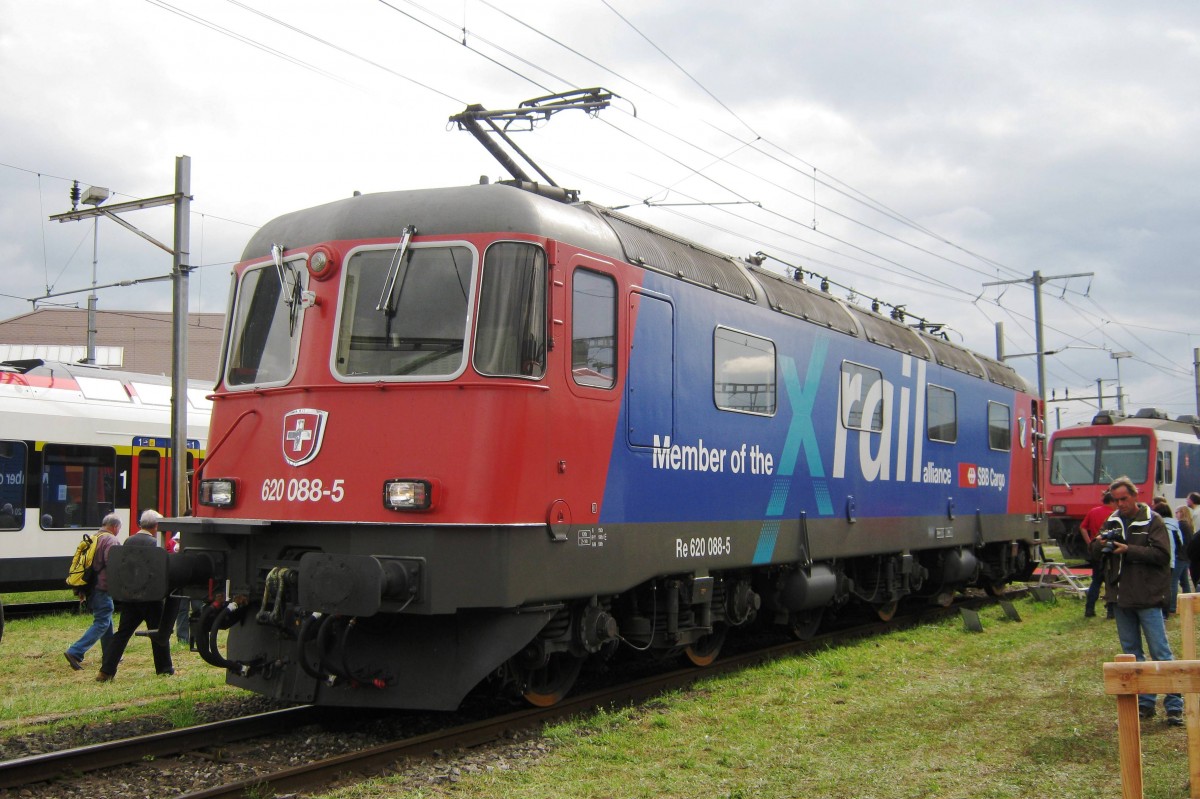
<point x="1141" y="577"/>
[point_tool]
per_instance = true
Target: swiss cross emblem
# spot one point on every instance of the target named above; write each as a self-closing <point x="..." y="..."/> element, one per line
<point x="302" y="430"/>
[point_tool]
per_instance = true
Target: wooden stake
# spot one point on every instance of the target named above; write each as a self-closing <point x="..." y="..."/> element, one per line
<point x="1129" y="738"/>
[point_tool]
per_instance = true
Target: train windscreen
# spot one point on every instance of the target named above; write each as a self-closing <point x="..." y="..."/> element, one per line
<point x="1098" y="460"/>
<point x="419" y="327"/>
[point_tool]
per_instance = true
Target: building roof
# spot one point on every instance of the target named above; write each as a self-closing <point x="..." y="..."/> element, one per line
<point x="135" y="341"/>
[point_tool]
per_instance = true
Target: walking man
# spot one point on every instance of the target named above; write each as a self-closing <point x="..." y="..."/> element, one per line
<point x="1137" y="577"/>
<point x="98" y="599"/>
<point x="134" y="613"/>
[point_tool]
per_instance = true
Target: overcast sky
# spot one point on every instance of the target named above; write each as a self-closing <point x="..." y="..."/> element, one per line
<point x="910" y="151"/>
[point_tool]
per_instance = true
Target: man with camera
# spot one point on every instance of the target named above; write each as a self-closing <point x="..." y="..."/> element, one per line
<point x="1136" y="550"/>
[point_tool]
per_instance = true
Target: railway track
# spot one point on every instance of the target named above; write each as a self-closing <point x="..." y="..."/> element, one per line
<point x="28" y="610"/>
<point x="160" y="747"/>
<point x="51" y="765"/>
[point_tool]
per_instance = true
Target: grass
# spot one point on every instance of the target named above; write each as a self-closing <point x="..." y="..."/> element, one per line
<point x="37" y="596"/>
<point x="39" y="691"/>
<point x="1018" y="710"/>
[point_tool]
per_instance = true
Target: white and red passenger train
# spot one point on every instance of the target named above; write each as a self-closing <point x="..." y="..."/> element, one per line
<point x="479" y="433"/>
<point x="1160" y="454"/>
<point x="78" y="442"/>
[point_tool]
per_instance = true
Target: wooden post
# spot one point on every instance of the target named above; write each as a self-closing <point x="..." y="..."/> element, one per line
<point x="1129" y="740"/>
<point x="1126" y="678"/>
<point x="1187" y="605"/>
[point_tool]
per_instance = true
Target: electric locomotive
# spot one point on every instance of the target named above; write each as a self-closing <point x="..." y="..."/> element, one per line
<point x="484" y="433"/>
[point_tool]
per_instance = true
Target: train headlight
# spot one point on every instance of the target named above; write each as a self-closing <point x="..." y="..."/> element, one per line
<point x="1058" y="508"/>
<point x="217" y="493"/>
<point x="407" y="495"/>
<point x="322" y="263"/>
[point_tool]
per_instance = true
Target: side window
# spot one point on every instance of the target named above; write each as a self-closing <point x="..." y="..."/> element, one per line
<point x="999" y="426"/>
<point x="265" y="327"/>
<point x="12" y="484"/>
<point x="78" y="487"/>
<point x="861" y="397"/>
<point x="1165" y="471"/>
<point x="941" y="414"/>
<point x="594" y="329"/>
<point x="510" y="338"/>
<point x="743" y="372"/>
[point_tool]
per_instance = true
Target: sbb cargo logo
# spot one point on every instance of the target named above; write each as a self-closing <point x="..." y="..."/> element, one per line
<point x="968" y="475"/>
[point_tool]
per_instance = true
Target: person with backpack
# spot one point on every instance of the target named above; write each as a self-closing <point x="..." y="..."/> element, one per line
<point x="97" y="596"/>
<point x="134" y="613"/>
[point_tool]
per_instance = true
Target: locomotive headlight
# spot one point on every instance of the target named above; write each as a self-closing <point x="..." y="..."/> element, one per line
<point x="217" y="493"/>
<point x="322" y="263"/>
<point x="1058" y="508"/>
<point x="407" y="494"/>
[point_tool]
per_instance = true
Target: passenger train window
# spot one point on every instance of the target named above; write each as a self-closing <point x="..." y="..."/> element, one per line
<point x="420" y="328"/>
<point x="510" y="336"/>
<point x="266" y="325"/>
<point x="861" y="397"/>
<point x="594" y="329"/>
<point x="941" y="414"/>
<point x="999" y="426"/>
<point x="13" y="459"/>
<point x="149" y="466"/>
<point x="1164" y="471"/>
<point x="78" y="487"/>
<point x="743" y="372"/>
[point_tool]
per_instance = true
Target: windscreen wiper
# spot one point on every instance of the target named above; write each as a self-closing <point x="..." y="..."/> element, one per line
<point x="389" y="283"/>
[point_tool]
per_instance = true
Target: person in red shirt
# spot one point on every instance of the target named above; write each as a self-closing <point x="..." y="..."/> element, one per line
<point x="1091" y="525"/>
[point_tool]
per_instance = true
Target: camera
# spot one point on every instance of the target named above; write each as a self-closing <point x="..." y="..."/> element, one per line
<point x="1111" y="539"/>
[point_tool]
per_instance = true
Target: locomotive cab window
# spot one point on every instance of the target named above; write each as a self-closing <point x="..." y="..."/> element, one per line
<point x="861" y="397"/>
<point x="510" y="338"/>
<point x="593" y="329"/>
<point x="743" y="372"/>
<point x="404" y="313"/>
<point x="941" y="414"/>
<point x="999" y="426"/>
<point x="265" y="327"/>
<point x="12" y="484"/>
<point x="78" y="485"/>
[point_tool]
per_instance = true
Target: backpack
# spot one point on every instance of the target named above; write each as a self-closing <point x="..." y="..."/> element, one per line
<point x="81" y="576"/>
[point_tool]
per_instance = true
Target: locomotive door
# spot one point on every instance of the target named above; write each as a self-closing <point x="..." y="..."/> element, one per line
<point x="1038" y="438"/>
<point x="650" y="388"/>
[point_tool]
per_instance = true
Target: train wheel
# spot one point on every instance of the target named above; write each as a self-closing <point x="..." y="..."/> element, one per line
<point x="804" y="625"/>
<point x="945" y="599"/>
<point x="704" y="652"/>
<point x="887" y="611"/>
<point x="547" y="685"/>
